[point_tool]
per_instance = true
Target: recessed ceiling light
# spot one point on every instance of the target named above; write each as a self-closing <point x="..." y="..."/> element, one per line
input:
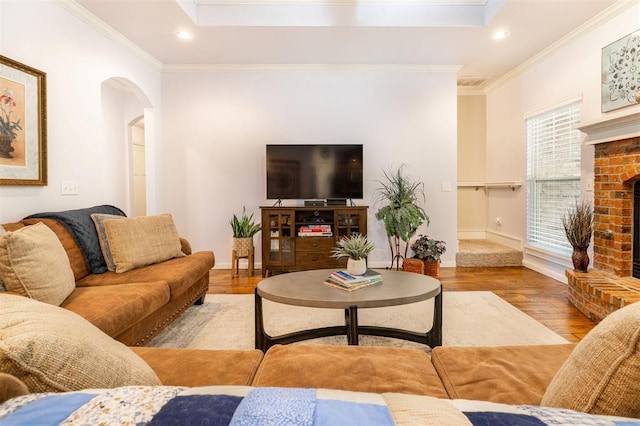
<point x="184" y="35"/>
<point x="500" y="34"/>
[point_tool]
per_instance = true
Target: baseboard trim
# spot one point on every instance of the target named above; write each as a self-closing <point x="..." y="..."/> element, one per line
<point x="505" y="240"/>
<point x="472" y="234"/>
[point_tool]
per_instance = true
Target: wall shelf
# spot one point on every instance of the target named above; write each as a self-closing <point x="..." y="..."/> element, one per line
<point x="512" y="184"/>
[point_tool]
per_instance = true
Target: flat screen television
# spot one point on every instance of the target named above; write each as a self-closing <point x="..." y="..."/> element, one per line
<point x="314" y="172"/>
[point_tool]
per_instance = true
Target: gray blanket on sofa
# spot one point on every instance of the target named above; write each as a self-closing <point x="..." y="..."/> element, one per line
<point x="80" y="225"/>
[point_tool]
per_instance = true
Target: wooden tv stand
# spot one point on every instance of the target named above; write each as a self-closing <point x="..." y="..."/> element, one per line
<point x="301" y="238"/>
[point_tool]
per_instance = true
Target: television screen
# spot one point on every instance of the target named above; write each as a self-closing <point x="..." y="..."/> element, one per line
<point x="314" y="171"/>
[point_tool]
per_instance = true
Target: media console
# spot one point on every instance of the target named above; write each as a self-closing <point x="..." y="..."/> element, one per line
<point x="301" y="238"/>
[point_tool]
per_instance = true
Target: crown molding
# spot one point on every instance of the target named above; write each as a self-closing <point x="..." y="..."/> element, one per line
<point x="240" y="68"/>
<point x="604" y="16"/>
<point x="98" y="24"/>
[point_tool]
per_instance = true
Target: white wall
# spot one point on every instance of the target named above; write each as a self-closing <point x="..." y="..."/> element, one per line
<point x="216" y="126"/>
<point x="77" y="59"/>
<point x="472" y="147"/>
<point x="571" y="71"/>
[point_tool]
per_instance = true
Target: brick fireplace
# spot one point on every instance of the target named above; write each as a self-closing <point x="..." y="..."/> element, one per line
<point x="610" y="285"/>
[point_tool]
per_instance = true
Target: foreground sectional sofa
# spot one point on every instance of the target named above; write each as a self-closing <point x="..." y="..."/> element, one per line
<point x="57" y="367"/>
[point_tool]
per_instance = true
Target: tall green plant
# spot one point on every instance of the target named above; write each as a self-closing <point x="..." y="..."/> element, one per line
<point x="402" y="213"/>
<point x="244" y="227"/>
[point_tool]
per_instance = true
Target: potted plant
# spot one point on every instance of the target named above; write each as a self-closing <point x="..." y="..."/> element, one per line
<point x="401" y="212"/>
<point x="244" y="229"/>
<point x="356" y="248"/>
<point x="578" y="227"/>
<point x="429" y="251"/>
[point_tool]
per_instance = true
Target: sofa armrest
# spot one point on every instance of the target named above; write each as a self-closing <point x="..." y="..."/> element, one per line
<point x="186" y="246"/>
<point x="11" y="387"/>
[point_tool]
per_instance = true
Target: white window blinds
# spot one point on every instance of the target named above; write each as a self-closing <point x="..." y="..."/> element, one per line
<point x="553" y="174"/>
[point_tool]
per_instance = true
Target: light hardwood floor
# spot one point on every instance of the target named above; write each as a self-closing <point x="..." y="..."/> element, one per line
<point x="542" y="298"/>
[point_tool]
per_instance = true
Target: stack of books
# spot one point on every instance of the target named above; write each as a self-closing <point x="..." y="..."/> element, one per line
<point x="346" y="281"/>
<point x="315" y="231"/>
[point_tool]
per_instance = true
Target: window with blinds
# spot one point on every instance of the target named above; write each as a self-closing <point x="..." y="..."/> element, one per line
<point x="553" y="174"/>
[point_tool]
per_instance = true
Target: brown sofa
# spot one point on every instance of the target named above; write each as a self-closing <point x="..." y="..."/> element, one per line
<point x="505" y="374"/>
<point x="132" y="306"/>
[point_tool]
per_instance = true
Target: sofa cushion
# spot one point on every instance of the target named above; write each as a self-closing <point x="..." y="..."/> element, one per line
<point x="141" y="241"/>
<point x="52" y="349"/>
<point x="355" y="368"/>
<point x="34" y="264"/>
<point x="98" y="219"/>
<point x="179" y="273"/>
<point x="114" y="308"/>
<point x="504" y="374"/>
<point x="214" y="367"/>
<point x="602" y="375"/>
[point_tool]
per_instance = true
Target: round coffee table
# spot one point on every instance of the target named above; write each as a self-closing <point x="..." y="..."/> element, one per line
<point x="306" y="288"/>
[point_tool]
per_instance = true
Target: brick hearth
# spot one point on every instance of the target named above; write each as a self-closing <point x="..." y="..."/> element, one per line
<point x="610" y="286"/>
<point x="597" y="294"/>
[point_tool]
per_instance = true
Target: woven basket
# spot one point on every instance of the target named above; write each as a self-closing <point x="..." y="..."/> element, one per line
<point x="242" y="246"/>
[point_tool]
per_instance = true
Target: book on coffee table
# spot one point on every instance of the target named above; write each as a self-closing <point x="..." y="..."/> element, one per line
<point x="352" y="287"/>
<point x="345" y="280"/>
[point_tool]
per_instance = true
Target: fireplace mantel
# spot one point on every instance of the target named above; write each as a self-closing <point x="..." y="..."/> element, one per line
<point x="611" y="128"/>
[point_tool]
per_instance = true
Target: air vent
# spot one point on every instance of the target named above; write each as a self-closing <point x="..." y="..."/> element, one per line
<point x="472" y="82"/>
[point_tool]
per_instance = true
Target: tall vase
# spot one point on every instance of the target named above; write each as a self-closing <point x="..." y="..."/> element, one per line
<point x="356" y="267"/>
<point x="580" y="259"/>
<point x="5" y="146"/>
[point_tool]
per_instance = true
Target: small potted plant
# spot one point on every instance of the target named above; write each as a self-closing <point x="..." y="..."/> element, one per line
<point x="356" y="248"/>
<point x="578" y="227"/>
<point x="429" y="251"/>
<point x="244" y="228"/>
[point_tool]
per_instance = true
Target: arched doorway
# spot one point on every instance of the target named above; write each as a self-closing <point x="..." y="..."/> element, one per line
<point x="128" y="120"/>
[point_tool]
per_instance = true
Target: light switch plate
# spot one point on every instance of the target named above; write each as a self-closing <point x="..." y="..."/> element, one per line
<point x="69" y="187"/>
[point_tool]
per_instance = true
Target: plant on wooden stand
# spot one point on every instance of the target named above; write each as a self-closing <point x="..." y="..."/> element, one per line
<point x="429" y="251"/>
<point x="355" y="248"/>
<point x="578" y="227"/>
<point x="402" y="214"/>
<point x="244" y="228"/>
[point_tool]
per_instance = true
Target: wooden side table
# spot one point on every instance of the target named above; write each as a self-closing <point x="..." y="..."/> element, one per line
<point x="235" y="262"/>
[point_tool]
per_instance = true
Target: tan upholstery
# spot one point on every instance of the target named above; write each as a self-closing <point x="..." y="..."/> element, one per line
<point x="11" y="387"/>
<point x="179" y="273"/>
<point x="187" y="279"/>
<point x="54" y="350"/>
<point x="355" y="368"/>
<point x="114" y="308"/>
<point x="34" y="264"/>
<point x="602" y="375"/>
<point x="504" y="374"/>
<point x="196" y="367"/>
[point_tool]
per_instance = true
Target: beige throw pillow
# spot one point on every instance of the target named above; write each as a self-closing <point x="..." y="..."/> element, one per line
<point x="2" y="287"/>
<point x="52" y="349"/>
<point x="602" y="374"/>
<point x="33" y="263"/>
<point x="98" y="220"/>
<point x="141" y="241"/>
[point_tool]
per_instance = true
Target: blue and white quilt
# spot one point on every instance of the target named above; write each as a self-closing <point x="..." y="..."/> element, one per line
<point x="242" y="405"/>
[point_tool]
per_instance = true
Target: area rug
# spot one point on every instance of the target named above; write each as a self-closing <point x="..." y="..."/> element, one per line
<point x="470" y="318"/>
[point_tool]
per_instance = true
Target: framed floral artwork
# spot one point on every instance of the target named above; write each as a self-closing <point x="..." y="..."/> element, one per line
<point x="23" y="124"/>
<point x="621" y="72"/>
